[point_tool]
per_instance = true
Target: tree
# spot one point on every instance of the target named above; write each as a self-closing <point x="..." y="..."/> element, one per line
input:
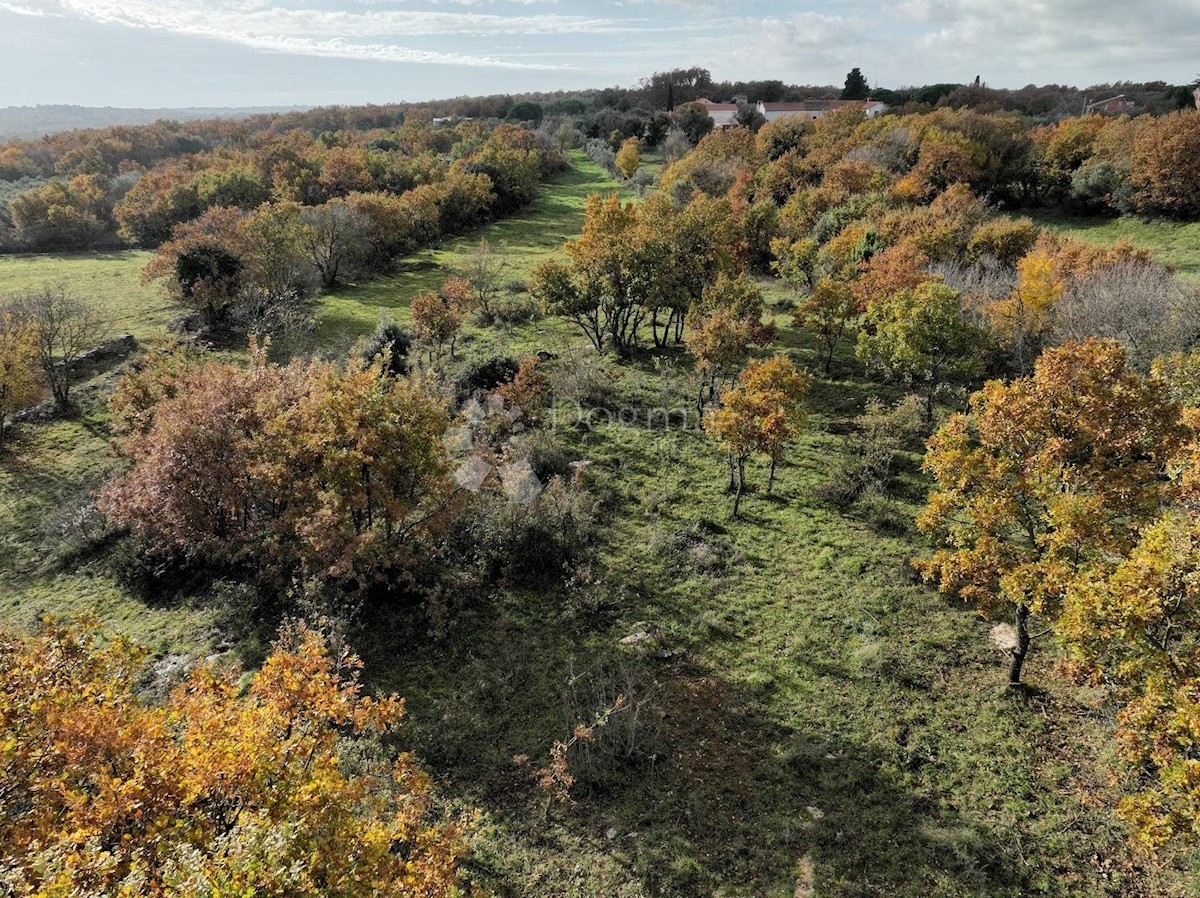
<point x="722" y="328"/>
<point x="694" y="121"/>
<point x="761" y="414"/>
<point x="63" y="326"/>
<point x="629" y="157"/>
<point x="229" y="787"/>
<point x="1166" y="166"/>
<point x="795" y="262"/>
<point x="19" y="381"/>
<point x="826" y="312"/>
<point x="856" y="86"/>
<point x="486" y="268"/>
<point x="595" y="289"/>
<point x="335" y="239"/>
<point x="782" y="391"/>
<point x="304" y="471"/>
<point x="921" y="337"/>
<point x="1024" y="320"/>
<point x="1026" y="483"/>
<point x="436" y="321"/>
<point x="1134" y="630"/>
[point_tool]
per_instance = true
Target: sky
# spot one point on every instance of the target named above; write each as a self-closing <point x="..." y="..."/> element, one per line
<point x="153" y="53"/>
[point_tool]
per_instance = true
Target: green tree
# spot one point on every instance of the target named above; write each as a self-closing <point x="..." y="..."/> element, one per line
<point x="922" y="337"/>
<point x="856" y="86"/>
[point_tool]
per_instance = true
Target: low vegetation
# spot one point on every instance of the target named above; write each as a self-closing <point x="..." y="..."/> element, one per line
<point x="751" y="537"/>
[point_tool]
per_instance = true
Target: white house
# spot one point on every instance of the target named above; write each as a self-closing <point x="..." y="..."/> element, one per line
<point x="724" y="115"/>
<point x="814" y="109"/>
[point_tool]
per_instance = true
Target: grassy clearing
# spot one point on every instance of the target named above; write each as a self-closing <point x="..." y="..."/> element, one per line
<point x="112" y="281"/>
<point x="537" y="234"/>
<point x="1173" y="243"/>
<point x="814" y="716"/>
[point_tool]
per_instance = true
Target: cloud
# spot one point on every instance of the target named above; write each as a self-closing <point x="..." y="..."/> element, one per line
<point x="309" y="30"/>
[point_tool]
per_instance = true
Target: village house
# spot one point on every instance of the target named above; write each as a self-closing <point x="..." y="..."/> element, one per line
<point x="724" y="115"/>
<point x="814" y="109"/>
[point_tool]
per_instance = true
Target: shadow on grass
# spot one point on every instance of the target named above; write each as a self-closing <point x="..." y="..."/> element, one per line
<point x="721" y="796"/>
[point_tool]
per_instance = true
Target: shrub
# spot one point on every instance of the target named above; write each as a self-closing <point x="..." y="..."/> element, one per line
<point x="485" y="375"/>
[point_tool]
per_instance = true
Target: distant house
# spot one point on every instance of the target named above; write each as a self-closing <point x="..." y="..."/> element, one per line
<point x="814" y="109"/>
<point x="724" y="115"/>
<point x="1118" y="105"/>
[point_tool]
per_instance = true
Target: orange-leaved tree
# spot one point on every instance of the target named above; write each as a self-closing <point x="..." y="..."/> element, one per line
<point x="761" y="414"/>
<point x="308" y="469"/>
<point x="224" y="789"/>
<point x="1044" y="477"/>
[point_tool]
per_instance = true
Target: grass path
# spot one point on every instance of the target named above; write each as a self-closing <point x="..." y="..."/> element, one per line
<point x="532" y="236"/>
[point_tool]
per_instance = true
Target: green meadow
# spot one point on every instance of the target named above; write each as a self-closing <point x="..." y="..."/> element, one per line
<point x="814" y="721"/>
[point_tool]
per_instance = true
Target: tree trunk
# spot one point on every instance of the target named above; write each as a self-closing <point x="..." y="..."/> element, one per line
<point x="732" y="480"/>
<point x="771" y="476"/>
<point x="1021" y="649"/>
<point x="741" y="485"/>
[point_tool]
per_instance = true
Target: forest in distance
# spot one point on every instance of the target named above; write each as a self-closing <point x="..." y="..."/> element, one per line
<point x="698" y="488"/>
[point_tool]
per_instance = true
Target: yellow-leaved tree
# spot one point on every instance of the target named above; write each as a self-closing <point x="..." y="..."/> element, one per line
<point x="1044" y="477"/>
<point x="225" y="789"/>
<point x="763" y="413"/>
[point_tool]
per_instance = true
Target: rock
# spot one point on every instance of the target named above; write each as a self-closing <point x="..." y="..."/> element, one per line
<point x="1004" y="636"/>
<point x="519" y="481"/>
<point x="611" y="833"/>
<point x="635" y="638"/>
<point x="472" y="473"/>
<point x="546" y="355"/>
<point x="804" y="878"/>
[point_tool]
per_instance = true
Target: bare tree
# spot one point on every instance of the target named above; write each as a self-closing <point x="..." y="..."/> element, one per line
<point x="485" y="269"/>
<point x="334" y="239"/>
<point x="1147" y="308"/>
<point x="64" y="326"/>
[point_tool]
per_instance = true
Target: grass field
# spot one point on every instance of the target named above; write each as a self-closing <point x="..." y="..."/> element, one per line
<point x="539" y="233"/>
<point x="111" y="281"/>
<point x="1174" y="243"/>
<point x="817" y="722"/>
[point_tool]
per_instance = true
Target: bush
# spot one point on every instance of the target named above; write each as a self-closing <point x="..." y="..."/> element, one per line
<point x="484" y="376"/>
<point x="392" y="339"/>
<point x="582" y="377"/>
<point x="865" y="468"/>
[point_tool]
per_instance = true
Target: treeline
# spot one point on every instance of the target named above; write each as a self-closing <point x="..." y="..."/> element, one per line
<point x="135" y="186"/>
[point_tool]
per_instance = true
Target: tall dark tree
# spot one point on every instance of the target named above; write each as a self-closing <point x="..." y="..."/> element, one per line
<point x="856" y="86"/>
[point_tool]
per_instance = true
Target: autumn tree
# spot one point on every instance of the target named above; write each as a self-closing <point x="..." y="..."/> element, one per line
<point x="629" y="156"/>
<point x="20" y="382"/>
<point x="61" y="326"/>
<point x="233" y="785"/>
<point x="308" y="470"/>
<point x="595" y="289"/>
<point x="436" y="321"/>
<point x="761" y="414"/>
<point x="1027" y="482"/>
<point x="1133" y="628"/>
<point x="1166" y="166"/>
<point x="722" y="328"/>
<point x="922" y="337"/>
<point x="1024" y="320"/>
<point x="826" y="312"/>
